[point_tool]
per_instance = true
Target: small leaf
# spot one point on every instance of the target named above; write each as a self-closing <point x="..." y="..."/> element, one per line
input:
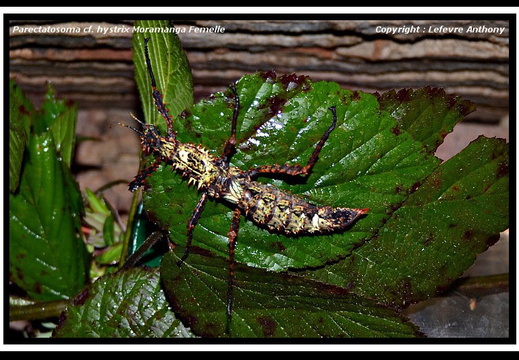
<point x="96" y="203"/>
<point x="20" y="113"/>
<point x="108" y="230"/>
<point x="128" y="304"/>
<point x="269" y="304"/>
<point x="104" y="230"/>
<point x="59" y="118"/>
<point x="109" y="255"/>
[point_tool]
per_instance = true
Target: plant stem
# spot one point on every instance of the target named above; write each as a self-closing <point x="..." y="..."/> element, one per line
<point x="134" y="258"/>
<point x="35" y="311"/>
<point x="480" y="285"/>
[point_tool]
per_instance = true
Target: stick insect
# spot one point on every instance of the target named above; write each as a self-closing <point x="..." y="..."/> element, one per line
<point x="265" y="205"/>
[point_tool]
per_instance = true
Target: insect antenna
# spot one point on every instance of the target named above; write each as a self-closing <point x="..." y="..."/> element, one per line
<point x="157" y="96"/>
<point x="132" y="127"/>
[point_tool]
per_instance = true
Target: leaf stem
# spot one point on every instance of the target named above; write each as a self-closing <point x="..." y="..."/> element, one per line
<point x="40" y="310"/>
<point x="478" y="286"/>
<point x="134" y="258"/>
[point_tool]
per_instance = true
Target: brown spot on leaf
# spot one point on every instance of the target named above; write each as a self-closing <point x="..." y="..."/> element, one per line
<point x="355" y="96"/>
<point x="415" y="186"/>
<point x="466" y="107"/>
<point x="451" y="101"/>
<point x="24" y="110"/>
<point x="396" y="130"/>
<point x="268" y="325"/>
<point x="468" y="235"/>
<point x="38" y="288"/>
<point x="434" y="91"/>
<point x="428" y="239"/>
<point x="278" y="246"/>
<point x="403" y="95"/>
<point x="268" y="75"/>
<point x="81" y="297"/>
<point x="185" y="114"/>
<point x="292" y="81"/>
<point x="502" y="169"/>
<point x="492" y="239"/>
<point x="275" y="103"/>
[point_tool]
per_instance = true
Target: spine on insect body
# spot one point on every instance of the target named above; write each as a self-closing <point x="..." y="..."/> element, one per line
<point x="193" y="162"/>
<point x="282" y="212"/>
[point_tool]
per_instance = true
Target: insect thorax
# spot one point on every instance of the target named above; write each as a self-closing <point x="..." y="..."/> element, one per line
<point x="193" y="162"/>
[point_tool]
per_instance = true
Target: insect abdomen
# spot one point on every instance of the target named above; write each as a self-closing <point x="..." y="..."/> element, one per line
<point x="282" y="212"/>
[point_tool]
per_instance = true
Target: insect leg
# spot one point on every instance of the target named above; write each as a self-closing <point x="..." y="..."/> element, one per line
<point x="191" y="225"/>
<point x="298" y="169"/>
<point x="233" y="234"/>
<point x="231" y="142"/>
<point x="317" y="150"/>
<point x="157" y="96"/>
<point x="138" y="180"/>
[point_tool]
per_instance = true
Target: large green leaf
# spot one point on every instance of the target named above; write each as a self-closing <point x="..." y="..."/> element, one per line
<point x="268" y="304"/>
<point x="380" y="156"/>
<point x="47" y="256"/>
<point x="173" y="77"/>
<point x="128" y="304"/>
<point x="428" y="242"/>
<point x="363" y="164"/>
<point x="175" y="81"/>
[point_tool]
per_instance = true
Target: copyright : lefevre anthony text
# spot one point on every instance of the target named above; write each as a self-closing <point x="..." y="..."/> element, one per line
<point x="440" y="29"/>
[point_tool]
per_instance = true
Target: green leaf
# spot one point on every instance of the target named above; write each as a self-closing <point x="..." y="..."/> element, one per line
<point x="46" y="251"/>
<point x="364" y="164"/>
<point x="428" y="114"/>
<point x="170" y="66"/>
<point x="47" y="256"/>
<point x="174" y="79"/>
<point x="269" y="304"/>
<point x="380" y="156"/>
<point x="103" y="231"/>
<point x="20" y="113"/>
<point x="128" y="304"/>
<point x="457" y="213"/>
<point x="61" y="124"/>
<point x="96" y="203"/>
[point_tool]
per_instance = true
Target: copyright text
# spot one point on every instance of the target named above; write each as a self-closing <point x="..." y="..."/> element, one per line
<point x="439" y="29"/>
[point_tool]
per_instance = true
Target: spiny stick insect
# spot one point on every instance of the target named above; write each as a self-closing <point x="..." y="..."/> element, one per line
<point x="265" y="205"/>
